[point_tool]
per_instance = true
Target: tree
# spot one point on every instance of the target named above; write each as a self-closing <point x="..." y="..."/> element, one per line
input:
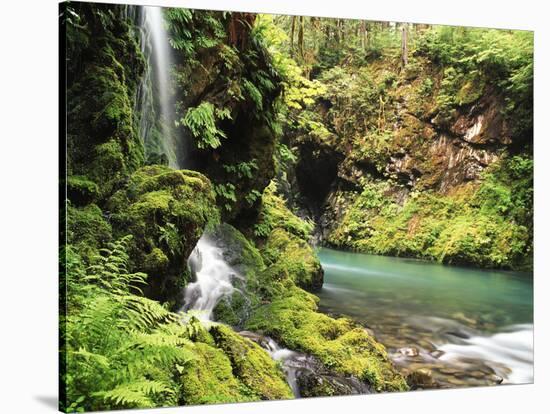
<point x="363" y="34"/>
<point x="301" y="37"/>
<point x="292" y="29"/>
<point x="404" y="44"/>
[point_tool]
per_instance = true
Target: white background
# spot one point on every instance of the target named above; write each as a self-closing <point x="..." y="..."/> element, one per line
<point x="28" y="204"/>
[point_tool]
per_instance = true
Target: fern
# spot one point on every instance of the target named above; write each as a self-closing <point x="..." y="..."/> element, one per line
<point x="225" y="193"/>
<point x="121" y="350"/>
<point x="201" y="121"/>
<point x="254" y="93"/>
<point x="244" y="169"/>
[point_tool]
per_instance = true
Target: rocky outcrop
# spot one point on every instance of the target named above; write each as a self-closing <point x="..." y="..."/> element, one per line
<point x="236" y="77"/>
<point x="404" y="156"/>
<point x="104" y="63"/>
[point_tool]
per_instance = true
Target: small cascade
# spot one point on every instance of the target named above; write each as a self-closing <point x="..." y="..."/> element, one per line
<point x="508" y="353"/>
<point x="214" y="278"/>
<point x="155" y="100"/>
<point x="288" y="360"/>
<point x="303" y="371"/>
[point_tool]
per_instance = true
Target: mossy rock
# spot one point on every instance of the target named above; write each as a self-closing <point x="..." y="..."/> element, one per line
<point x="246" y="260"/>
<point x="228" y="368"/>
<point x="209" y="379"/>
<point x="103" y="143"/>
<point x="81" y="190"/>
<point x="339" y="344"/>
<point x="87" y="230"/>
<point x="166" y="211"/>
<point x="296" y="257"/>
<point x="252" y="365"/>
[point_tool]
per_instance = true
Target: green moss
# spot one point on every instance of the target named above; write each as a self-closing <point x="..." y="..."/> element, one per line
<point x="476" y="224"/>
<point x="229" y="368"/>
<point x="156" y="261"/>
<point x="102" y="141"/>
<point x="296" y="256"/>
<point x="87" y="230"/>
<point x="284" y="238"/>
<point x="338" y="343"/>
<point x="209" y="379"/>
<point x="252" y="365"/>
<point x="244" y="257"/>
<point x="166" y="211"/>
<point x="81" y="190"/>
<point x="274" y="213"/>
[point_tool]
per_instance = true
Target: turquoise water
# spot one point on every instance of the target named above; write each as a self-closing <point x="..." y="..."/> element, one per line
<point x="468" y="326"/>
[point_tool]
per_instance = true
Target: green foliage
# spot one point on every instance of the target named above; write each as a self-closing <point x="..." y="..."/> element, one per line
<point x="126" y="351"/>
<point x="253" y="94"/>
<point x="274" y="214"/>
<point x="285" y="154"/>
<point x="120" y="348"/>
<point x="243" y="169"/>
<point x="191" y="30"/>
<point x="488" y="226"/>
<point x="225" y="193"/>
<point x="201" y="121"/>
<point x="471" y="57"/>
<point x="87" y="229"/>
<point x="299" y="91"/>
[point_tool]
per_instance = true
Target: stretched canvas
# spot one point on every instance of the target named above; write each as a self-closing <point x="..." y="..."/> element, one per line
<point x="266" y="207"/>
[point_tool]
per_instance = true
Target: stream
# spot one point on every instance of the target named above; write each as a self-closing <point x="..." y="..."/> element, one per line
<point x="460" y="326"/>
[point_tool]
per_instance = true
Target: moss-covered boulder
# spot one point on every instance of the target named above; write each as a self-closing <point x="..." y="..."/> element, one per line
<point x="87" y="230"/>
<point x="340" y="344"/>
<point x="228" y="368"/>
<point x="209" y="379"/>
<point x="295" y="256"/>
<point x="284" y="238"/>
<point x="166" y="211"/>
<point x="252" y="365"/>
<point x="241" y="254"/>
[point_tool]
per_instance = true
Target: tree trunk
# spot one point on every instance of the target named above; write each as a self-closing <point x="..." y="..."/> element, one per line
<point x="301" y="37"/>
<point x="292" y="28"/>
<point x="363" y="35"/>
<point x="404" y="45"/>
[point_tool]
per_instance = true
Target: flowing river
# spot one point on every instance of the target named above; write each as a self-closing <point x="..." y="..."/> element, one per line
<point x="459" y="326"/>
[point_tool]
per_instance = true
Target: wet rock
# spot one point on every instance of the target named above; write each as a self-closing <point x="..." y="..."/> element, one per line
<point x="421" y="379"/>
<point x="458" y="333"/>
<point x="463" y="318"/>
<point x="411" y="351"/>
<point x="311" y="384"/>
<point x="437" y="353"/>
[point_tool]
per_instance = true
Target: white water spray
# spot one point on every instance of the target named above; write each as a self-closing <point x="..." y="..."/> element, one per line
<point x="509" y="353"/>
<point x="156" y="99"/>
<point x="214" y="279"/>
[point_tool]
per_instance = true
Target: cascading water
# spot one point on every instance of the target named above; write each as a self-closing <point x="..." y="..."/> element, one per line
<point x="155" y="101"/>
<point x="213" y="278"/>
<point x="155" y="104"/>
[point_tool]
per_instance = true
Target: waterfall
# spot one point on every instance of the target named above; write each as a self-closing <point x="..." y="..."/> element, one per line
<point x="156" y="105"/>
<point x="155" y="101"/>
<point x="214" y="278"/>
